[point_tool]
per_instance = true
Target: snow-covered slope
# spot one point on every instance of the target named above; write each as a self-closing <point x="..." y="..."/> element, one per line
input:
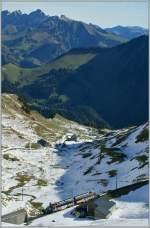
<point x="51" y="159"/>
<point x="28" y="165"/>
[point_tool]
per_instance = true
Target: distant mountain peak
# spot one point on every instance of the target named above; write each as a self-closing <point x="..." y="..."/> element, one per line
<point x="5" y="12"/>
<point x="128" y="32"/>
<point x="38" y="12"/>
<point x="16" y="12"/>
<point x="63" y="17"/>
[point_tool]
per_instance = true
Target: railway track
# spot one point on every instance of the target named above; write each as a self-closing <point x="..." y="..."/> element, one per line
<point x="70" y="202"/>
<point x="83" y="198"/>
<point x="18" y="216"/>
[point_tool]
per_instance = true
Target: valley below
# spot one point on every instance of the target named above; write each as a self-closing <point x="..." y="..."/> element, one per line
<point x="48" y="160"/>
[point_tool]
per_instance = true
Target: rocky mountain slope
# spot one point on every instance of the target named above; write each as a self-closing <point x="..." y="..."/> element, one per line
<point x="30" y="40"/>
<point x="51" y="159"/>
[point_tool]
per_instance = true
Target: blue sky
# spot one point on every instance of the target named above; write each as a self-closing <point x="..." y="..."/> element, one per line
<point x="104" y="14"/>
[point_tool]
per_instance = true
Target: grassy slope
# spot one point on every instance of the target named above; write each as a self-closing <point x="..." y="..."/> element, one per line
<point x="71" y="61"/>
<point x="13" y="73"/>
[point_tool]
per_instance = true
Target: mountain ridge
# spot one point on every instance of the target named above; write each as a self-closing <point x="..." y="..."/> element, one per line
<point x="30" y="40"/>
